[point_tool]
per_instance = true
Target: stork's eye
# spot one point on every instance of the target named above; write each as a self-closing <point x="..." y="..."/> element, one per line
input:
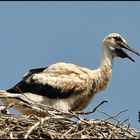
<point x="117" y="38"/>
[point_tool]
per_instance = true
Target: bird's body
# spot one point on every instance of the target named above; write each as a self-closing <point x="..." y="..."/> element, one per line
<point x="70" y="87"/>
<point x="63" y="85"/>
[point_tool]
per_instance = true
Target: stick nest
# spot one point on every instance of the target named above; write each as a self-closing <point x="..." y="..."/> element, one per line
<point x="57" y="124"/>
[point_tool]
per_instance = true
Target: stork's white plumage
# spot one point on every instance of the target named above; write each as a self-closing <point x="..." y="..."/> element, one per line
<point x="70" y="87"/>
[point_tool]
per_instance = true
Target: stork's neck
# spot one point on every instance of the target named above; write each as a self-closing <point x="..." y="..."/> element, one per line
<point x="107" y="60"/>
<point x="104" y="72"/>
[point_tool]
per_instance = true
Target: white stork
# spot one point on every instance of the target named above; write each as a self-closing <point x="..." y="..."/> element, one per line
<point x="70" y="87"/>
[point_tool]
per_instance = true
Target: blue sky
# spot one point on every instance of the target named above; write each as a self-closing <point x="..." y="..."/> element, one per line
<point x="37" y="34"/>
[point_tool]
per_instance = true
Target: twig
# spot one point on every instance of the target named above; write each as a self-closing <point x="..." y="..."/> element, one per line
<point x="16" y="96"/>
<point x="102" y="112"/>
<point x="38" y="108"/>
<point x="4" y="110"/>
<point x="121" y="123"/>
<point x="41" y="120"/>
<point x="11" y="135"/>
<point x="86" y="113"/>
<point x="115" y="116"/>
<point x="31" y="129"/>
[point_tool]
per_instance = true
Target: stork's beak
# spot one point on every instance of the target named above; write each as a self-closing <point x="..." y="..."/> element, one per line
<point x="121" y="53"/>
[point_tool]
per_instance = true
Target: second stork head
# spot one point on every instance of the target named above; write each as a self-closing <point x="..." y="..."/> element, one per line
<point x="116" y="43"/>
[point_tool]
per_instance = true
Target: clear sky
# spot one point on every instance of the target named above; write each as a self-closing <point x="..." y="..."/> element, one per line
<point x="37" y="34"/>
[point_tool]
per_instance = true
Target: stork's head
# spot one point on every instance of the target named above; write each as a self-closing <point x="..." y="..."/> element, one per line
<point x="116" y="44"/>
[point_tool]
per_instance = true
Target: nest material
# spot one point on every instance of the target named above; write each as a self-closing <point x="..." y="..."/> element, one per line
<point x="50" y="123"/>
<point x="61" y="125"/>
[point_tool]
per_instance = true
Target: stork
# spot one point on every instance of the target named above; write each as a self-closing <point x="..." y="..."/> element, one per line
<point x="70" y="87"/>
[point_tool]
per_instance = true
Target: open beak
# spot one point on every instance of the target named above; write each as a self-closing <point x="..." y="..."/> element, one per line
<point x="121" y="53"/>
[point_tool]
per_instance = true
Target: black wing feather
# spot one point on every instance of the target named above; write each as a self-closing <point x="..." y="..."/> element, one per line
<point x="38" y="88"/>
<point x="37" y="70"/>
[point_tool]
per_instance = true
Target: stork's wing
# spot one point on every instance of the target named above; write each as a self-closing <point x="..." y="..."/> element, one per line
<point x="51" y="82"/>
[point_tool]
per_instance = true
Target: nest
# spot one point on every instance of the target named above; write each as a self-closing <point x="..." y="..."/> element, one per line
<point x="56" y="124"/>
